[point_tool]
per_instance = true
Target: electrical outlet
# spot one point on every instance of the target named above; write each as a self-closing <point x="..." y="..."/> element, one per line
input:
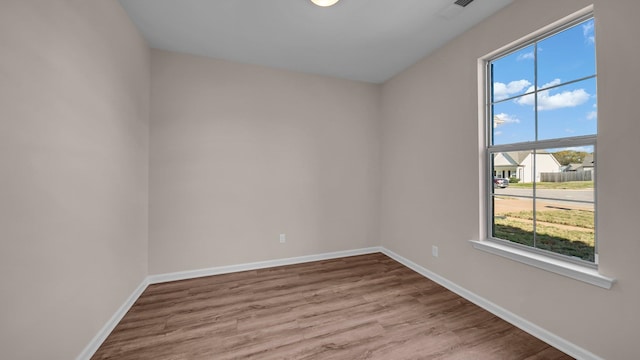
<point x="434" y="251"/>
<point x="283" y="238"/>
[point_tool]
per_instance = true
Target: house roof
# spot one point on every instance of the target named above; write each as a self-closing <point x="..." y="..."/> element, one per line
<point x="515" y="158"/>
<point x="519" y="156"/>
<point x="572" y="167"/>
<point x="504" y="159"/>
<point x="588" y="161"/>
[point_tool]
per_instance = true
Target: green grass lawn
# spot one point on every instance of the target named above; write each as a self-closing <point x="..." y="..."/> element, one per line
<point x="572" y="185"/>
<point x="579" y="242"/>
<point x="579" y="218"/>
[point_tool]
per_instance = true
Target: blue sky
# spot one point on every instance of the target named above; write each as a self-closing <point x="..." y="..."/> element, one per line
<point x="565" y="110"/>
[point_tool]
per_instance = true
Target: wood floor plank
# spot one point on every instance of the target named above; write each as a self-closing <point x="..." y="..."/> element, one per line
<point x="360" y="307"/>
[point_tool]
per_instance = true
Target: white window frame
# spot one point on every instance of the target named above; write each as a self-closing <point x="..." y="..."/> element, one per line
<point x="557" y="263"/>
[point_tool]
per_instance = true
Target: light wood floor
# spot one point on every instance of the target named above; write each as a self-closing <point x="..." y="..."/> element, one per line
<point x="361" y="307"/>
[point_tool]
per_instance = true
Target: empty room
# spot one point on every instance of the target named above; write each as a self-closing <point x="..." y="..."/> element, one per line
<point x="319" y="179"/>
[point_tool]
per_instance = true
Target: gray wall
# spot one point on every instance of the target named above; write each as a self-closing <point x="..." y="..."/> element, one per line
<point x="430" y="129"/>
<point x="74" y="97"/>
<point x="240" y="154"/>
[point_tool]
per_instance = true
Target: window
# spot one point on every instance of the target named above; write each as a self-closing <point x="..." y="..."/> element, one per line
<point x="541" y="113"/>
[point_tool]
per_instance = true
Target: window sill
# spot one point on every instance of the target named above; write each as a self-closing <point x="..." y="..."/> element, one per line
<point x="574" y="271"/>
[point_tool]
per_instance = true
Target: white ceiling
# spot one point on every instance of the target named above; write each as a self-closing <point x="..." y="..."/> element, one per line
<point x="367" y="40"/>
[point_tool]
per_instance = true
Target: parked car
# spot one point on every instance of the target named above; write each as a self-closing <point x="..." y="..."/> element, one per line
<point x="500" y="182"/>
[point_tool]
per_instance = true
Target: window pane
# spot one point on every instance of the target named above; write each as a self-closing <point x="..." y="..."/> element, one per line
<point x="577" y="167"/>
<point x="513" y="74"/>
<point x="512" y="123"/>
<point x="569" y="110"/>
<point x="565" y="213"/>
<point x="568" y="55"/>
<point x="566" y="228"/>
<point x="512" y="219"/>
<point x="512" y="173"/>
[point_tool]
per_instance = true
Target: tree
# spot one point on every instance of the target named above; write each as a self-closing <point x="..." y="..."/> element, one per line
<point x="566" y="157"/>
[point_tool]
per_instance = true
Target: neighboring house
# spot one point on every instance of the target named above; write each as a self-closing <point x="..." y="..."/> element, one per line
<point x="587" y="168"/>
<point x="519" y="164"/>
<point x="588" y="164"/>
<point x="571" y="167"/>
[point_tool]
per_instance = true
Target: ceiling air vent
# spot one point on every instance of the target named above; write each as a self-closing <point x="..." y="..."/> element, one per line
<point x="463" y="3"/>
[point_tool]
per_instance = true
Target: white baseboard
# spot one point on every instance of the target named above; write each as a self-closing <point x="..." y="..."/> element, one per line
<point x="531" y="328"/>
<point x="191" y="274"/>
<point x="101" y="336"/>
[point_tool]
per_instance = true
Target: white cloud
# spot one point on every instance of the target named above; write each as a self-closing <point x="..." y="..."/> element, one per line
<point x="557" y="101"/>
<point x="562" y="100"/>
<point x="553" y="82"/>
<point x="503" y="91"/>
<point x="592" y="115"/>
<point x="504" y="118"/>
<point x="525" y="56"/>
<point x="587" y="32"/>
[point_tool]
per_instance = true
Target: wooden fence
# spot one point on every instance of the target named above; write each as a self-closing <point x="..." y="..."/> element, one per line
<point x="566" y="176"/>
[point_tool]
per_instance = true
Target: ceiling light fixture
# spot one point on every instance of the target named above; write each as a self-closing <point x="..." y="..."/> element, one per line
<point x="324" y="3"/>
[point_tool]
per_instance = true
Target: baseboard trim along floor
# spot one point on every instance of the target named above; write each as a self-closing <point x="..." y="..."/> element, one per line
<point x="191" y="274"/>
<point x="515" y="320"/>
<point x="102" y="335"/>
<point x="531" y="328"/>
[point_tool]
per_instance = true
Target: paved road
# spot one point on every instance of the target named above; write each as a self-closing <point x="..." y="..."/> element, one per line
<point x="571" y="195"/>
